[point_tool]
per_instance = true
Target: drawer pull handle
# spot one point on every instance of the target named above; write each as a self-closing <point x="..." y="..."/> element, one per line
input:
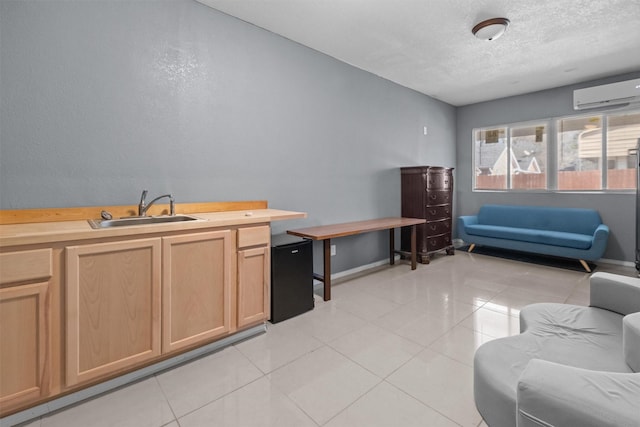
<point x="432" y="212"/>
<point x="433" y="227"/>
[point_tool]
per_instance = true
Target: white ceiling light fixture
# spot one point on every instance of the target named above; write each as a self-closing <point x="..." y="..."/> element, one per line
<point x="490" y="29"/>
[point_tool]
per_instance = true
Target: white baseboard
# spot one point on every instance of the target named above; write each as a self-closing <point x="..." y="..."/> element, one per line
<point x="353" y="271"/>
<point x="617" y="262"/>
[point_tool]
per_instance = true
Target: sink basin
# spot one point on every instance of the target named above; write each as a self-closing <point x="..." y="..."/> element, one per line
<point x="139" y="220"/>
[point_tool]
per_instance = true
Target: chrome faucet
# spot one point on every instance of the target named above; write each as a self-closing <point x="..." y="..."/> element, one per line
<point x="143" y="206"/>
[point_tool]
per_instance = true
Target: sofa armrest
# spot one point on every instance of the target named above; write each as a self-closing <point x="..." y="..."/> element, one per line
<point x="550" y="394"/>
<point x="599" y="241"/>
<point x="463" y="221"/>
<point x="467" y="220"/>
<point x="631" y="340"/>
<point x="613" y="292"/>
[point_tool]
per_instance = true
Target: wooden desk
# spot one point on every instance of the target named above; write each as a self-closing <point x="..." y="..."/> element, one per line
<point x="328" y="232"/>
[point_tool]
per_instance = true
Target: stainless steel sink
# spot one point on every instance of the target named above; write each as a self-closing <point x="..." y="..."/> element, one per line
<point x="139" y="220"/>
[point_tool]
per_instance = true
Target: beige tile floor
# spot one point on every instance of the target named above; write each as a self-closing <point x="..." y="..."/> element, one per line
<point x="393" y="348"/>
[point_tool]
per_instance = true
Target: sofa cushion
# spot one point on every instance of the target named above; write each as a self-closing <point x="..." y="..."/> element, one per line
<point x="570" y="220"/>
<point x="555" y="238"/>
<point x="583" y="337"/>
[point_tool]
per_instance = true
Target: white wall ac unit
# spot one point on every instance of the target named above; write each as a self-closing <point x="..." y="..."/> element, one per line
<point x="627" y="92"/>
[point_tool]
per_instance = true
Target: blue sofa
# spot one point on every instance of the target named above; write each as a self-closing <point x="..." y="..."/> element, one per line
<point x="563" y="232"/>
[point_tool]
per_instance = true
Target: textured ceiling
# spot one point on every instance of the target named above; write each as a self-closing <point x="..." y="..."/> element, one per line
<point x="427" y="45"/>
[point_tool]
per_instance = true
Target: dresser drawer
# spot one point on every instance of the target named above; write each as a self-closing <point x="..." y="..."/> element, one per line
<point x="439" y="181"/>
<point x="438" y="197"/>
<point x="433" y="213"/>
<point x="438" y="242"/>
<point x="438" y="227"/>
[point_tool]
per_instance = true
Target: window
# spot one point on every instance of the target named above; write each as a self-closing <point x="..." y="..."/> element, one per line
<point x="623" y="135"/>
<point x="489" y="164"/>
<point x="529" y="157"/>
<point x="511" y="157"/>
<point x="580" y="153"/>
<point x="584" y="153"/>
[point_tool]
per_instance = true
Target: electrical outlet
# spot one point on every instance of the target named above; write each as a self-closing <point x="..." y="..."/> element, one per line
<point x="333" y="250"/>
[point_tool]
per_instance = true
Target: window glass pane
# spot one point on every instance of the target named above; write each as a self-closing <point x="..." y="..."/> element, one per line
<point x="580" y="153"/>
<point x="490" y="163"/>
<point x="623" y="132"/>
<point x="528" y="157"/>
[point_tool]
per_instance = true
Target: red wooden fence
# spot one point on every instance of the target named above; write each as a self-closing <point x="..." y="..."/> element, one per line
<point x="617" y="179"/>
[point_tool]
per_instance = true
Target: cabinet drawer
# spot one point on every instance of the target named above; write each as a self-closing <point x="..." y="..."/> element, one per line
<point x="439" y="181"/>
<point x="438" y="197"/>
<point x="438" y="227"/>
<point x="438" y="242"/>
<point x="253" y="236"/>
<point x="25" y="265"/>
<point x="434" y="213"/>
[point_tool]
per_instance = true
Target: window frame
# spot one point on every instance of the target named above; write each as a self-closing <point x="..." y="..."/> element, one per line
<point x="508" y="132"/>
<point x="552" y="157"/>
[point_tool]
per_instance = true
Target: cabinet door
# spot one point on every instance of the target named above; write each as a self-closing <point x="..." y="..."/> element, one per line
<point x="25" y="327"/>
<point x="196" y="288"/>
<point x="113" y="307"/>
<point x="253" y="286"/>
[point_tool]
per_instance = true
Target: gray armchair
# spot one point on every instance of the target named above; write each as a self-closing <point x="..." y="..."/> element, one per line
<point x="570" y="366"/>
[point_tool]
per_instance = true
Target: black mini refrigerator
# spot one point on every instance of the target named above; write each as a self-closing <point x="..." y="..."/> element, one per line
<point x="291" y="277"/>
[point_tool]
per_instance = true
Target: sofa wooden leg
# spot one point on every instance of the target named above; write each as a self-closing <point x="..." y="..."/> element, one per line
<point x="585" y="265"/>
<point x="471" y="246"/>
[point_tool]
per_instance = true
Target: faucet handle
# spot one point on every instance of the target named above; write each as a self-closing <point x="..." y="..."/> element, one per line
<point x="142" y="205"/>
<point x="172" y="206"/>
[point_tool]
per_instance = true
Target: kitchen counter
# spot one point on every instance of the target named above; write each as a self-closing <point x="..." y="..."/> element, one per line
<point x="48" y="232"/>
<point x="84" y="306"/>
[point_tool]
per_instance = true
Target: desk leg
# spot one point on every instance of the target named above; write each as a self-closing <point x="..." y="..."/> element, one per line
<point x="392" y="246"/>
<point x="327" y="269"/>
<point x="413" y="247"/>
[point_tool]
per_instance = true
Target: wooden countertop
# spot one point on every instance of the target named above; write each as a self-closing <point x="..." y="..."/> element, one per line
<point x="51" y="232"/>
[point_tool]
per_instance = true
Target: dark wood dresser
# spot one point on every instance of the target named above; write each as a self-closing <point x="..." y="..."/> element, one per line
<point x="427" y="192"/>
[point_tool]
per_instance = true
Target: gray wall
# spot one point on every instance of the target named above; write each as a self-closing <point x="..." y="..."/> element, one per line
<point x="616" y="210"/>
<point x="101" y="99"/>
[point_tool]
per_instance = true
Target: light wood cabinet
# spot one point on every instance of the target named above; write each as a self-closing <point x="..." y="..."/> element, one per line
<point x="80" y="306"/>
<point x="25" y="326"/>
<point x="253" y="275"/>
<point x="196" y="283"/>
<point x="112" y="307"/>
